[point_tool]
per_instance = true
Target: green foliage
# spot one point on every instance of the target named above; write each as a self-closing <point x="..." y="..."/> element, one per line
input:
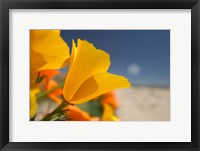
<point x="94" y="108"/>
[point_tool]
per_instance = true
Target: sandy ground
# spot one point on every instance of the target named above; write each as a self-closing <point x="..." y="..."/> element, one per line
<point x="144" y="104"/>
<point x="136" y="104"/>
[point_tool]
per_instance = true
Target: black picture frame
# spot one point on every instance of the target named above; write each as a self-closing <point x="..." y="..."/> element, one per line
<point x="5" y="5"/>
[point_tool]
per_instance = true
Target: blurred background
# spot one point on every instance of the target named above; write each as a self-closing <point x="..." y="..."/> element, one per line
<point x="142" y="56"/>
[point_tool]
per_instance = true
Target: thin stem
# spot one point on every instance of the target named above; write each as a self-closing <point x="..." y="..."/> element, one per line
<point x="49" y="91"/>
<point x="58" y="109"/>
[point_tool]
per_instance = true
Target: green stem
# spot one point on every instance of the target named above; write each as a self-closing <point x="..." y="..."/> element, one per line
<point x="58" y="109"/>
<point x="49" y="91"/>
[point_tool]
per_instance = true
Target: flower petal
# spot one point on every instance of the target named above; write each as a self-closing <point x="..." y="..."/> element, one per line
<point x="97" y="85"/>
<point x="54" y="95"/>
<point x="52" y="84"/>
<point x="108" y="114"/>
<point x="110" y="98"/>
<point x="33" y="101"/>
<point x="47" y="50"/>
<point x="86" y="61"/>
<point x="49" y="73"/>
<point x="76" y="114"/>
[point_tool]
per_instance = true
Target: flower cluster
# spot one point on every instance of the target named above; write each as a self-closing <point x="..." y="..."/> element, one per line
<point x="84" y="92"/>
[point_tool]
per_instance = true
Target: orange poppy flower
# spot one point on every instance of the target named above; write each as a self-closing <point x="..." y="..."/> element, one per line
<point x="76" y="114"/>
<point x="49" y="73"/>
<point x="110" y="98"/>
<point x="54" y="94"/>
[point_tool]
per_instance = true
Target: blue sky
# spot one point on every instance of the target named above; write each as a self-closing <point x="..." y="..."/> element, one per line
<point x="143" y="56"/>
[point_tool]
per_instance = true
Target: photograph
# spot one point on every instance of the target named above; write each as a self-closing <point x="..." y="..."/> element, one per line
<point x="99" y="75"/>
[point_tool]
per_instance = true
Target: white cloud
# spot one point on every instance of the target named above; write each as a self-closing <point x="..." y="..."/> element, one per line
<point x="133" y="69"/>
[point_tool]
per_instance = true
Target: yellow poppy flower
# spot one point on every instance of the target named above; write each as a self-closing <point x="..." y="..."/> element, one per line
<point x="108" y="114"/>
<point x="87" y="76"/>
<point x="33" y="101"/>
<point x="47" y="51"/>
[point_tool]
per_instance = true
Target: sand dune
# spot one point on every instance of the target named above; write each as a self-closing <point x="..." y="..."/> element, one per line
<point x="144" y="104"/>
